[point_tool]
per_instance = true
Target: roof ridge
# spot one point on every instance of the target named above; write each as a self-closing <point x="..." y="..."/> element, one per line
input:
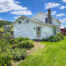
<point x="47" y="15"/>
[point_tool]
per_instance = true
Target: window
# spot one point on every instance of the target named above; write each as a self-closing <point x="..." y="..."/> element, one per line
<point x="34" y="27"/>
<point x="19" y="22"/>
<point x="38" y="31"/>
<point x="46" y="20"/>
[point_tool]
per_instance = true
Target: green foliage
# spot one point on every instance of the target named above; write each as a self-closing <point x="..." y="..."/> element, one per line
<point x="5" y="59"/>
<point x="19" y="54"/>
<point x="28" y="44"/>
<point x="61" y="35"/>
<point x="7" y="43"/>
<point x="43" y="39"/>
<point x="3" y="44"/>
<point x="19" y="39"/>
<point x="12" y="41"/>
<point x="4" y="23"/>
<point x="7" y="36"/>
<point x="14" y="46"/>
<point x="56" y="38"/>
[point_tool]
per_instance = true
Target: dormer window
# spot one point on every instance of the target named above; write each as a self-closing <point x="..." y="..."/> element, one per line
<point x="46" y="20"/>
<point x="19" y="22"/>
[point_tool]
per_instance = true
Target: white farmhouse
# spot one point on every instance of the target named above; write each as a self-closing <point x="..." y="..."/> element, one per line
<point x="38" y="27"/>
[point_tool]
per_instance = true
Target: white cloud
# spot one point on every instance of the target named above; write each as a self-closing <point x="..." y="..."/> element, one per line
<point x="12" y="5"/>
<point x="16" y="17"/>
<point x="17" y="2"/>
<point x="62" y="7"/>
<point x="63" y="22"/>
<point x="51" y="5"/>
<point x="1" y="18"/>
<point x="64" y="0"/>
<point x="53" y="12"/>
<point x="8" y="5"/>
<point x="61" y="14"/>
<point x="25" y="12"/>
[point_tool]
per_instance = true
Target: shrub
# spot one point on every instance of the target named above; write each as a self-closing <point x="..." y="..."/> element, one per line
<point x="5" y="59"/>
<point x="51" y="38"/>
<point x="56" y="38"/>
<point x="19" y="39"/>
<point x="61" y="35"/>
<point x="6" y="36"/>
<point x="26" y="44"/>
<point x="43" y="39"/>
<point x="14" y="46"/>
<point x="3" y="44"/>
<point x="12" y="41"/>
<point x="19" y="54"/>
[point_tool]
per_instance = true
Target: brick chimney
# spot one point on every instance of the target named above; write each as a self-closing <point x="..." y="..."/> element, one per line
<point x="49" y="16"/>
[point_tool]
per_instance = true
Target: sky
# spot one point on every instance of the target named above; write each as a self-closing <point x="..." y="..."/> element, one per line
<point x="10" y="10"/>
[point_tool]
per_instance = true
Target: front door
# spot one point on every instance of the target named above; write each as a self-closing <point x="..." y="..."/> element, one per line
<point x="38" y="32"/>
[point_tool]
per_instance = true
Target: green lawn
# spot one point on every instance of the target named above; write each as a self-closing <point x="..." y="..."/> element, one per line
<point x="53" y="54"/>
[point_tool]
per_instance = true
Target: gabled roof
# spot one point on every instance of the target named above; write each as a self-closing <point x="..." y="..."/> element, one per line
<point x="40" y="13"/>
<point x="46" y="15"/>
<point x="33" y="19"/>
<point x="20" y="18"/>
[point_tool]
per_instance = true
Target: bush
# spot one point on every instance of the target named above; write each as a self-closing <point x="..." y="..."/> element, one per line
<point x="5" y="59"/>
<point x="43" y="39"/>
<point x="3" y="44"/>
<point x="26" y="44"/>
<point x="51" y="38"/>
<point x="12" y="41"/>
<point x="56" y="38"/>
<point x="19" y="54"/>
<point x="7" y="36"/>
<point x="61" y="35"/>
<point x="19" y="39"/>
<point x="14" y="46"/>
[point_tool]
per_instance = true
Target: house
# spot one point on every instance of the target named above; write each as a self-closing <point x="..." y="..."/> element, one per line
<point x="39" y="26"/>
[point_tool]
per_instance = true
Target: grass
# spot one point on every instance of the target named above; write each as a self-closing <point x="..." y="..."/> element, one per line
<point x="53" y="54"/>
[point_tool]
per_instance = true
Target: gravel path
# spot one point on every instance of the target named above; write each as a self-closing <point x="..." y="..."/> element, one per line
<point x="37" y="46"/>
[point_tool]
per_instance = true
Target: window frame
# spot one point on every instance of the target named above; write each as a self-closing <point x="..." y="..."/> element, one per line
<point x="19" y="22"/>
<point x="46" y="20"/>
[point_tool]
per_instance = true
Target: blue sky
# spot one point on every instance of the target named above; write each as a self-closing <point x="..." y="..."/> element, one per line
<point x="10" y="10"/>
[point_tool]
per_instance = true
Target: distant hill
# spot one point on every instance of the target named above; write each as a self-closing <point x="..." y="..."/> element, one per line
<point x="2" y="22"/>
